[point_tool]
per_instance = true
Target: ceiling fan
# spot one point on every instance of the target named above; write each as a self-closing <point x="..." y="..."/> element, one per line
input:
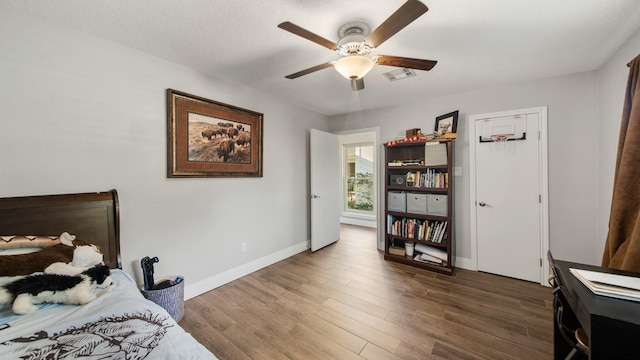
<point x="356" y="45"/>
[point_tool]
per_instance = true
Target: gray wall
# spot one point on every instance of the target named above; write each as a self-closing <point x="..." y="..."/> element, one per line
<point x="572" y="129"/>
<point x="81" y="114"/>
<point x="583" y="123"/>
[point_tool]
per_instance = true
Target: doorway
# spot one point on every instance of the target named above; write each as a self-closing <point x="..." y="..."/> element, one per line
<point x="361" y="151"/>
<point x="509" y="193"/>
<point x="327" y="201"/>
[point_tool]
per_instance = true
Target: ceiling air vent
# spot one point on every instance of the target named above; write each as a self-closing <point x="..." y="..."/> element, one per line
<point x="399" y="74"/>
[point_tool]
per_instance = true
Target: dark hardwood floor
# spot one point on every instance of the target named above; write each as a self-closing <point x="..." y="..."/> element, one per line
<point x="346" y="302"/>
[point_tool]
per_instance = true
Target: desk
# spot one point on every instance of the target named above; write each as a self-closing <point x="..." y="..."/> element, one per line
<point x="613" y="325"/>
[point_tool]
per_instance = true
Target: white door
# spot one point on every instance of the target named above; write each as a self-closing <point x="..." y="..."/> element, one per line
<point x="510" y="194"/>
<point x="326" y="189"/>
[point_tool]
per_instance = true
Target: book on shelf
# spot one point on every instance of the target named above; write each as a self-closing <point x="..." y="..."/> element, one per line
<point x="427" y="257"/>
<point x="611" y="285"/>
<point x="441" y="229"/>
<point x="431" y="251"/>
<point x="436" y="231"/>
<point x="411" y="228"/>
<point x="424" y="258"/>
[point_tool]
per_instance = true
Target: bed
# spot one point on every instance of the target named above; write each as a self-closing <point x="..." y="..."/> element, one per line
<point x="119" y="324"/>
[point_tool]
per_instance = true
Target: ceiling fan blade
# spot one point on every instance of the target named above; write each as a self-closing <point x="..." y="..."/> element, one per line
<point x="357" y="84"/>
<point x="297" y="30"/>
<point x="404" y="16"/>
<point x="309" y="70"/>
<point x="404" y="62"/>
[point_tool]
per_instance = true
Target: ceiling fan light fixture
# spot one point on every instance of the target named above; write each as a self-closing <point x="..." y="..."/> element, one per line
<point x="354" y="66"/>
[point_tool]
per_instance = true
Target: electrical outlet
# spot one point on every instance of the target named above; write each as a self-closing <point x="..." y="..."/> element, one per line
<point x="243" y="247"/>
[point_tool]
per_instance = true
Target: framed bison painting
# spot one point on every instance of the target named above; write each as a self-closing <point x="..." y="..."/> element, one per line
<point x="207" y="138"/>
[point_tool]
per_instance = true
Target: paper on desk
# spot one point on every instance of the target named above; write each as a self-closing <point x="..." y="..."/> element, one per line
<point x="612" y="285"/>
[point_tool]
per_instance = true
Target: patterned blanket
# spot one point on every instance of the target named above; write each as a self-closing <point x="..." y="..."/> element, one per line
<point x="119" y="324"/>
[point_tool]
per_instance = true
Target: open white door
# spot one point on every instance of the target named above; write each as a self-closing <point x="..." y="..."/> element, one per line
<point x="326" y="185"/>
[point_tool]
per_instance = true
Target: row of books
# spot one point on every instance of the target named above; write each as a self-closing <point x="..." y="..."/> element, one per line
<point x="431" y="179"/>
<point x="419" y="229"/>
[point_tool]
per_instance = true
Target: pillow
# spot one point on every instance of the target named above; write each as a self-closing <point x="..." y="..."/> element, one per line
<point x="29" y="241"/>
<point x="26" y="264"/>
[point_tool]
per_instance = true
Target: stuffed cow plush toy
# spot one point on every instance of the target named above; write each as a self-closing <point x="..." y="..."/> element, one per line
<point x="54" y="249"/>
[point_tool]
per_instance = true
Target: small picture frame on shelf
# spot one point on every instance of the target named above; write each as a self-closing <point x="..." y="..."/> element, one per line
<point x="446" y="124"/>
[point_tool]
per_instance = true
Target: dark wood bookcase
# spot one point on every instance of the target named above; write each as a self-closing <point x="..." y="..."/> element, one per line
<point x="422" y="228"/>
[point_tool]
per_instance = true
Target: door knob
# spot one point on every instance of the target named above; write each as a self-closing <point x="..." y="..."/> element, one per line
<point x="314" y="196"/>
<point x="482" y="203"/>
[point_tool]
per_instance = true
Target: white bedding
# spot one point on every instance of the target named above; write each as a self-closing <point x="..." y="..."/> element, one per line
<point x="119" y="324"/>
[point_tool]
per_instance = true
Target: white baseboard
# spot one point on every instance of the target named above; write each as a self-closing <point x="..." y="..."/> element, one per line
<point x="215" y="281"/>
<point x="358" y="222"/>
<point x="464" y="263"/>
<point x="358" y="219"/>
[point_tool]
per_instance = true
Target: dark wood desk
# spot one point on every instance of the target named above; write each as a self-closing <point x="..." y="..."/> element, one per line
<point x="613" y="325"/>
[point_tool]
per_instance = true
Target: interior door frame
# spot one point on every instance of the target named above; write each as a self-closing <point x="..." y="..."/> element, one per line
<point x="543" y="180"/>
<point x="378" y="180"/>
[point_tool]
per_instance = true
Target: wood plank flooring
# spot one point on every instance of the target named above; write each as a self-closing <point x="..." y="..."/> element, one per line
<point x="346" y="302"/>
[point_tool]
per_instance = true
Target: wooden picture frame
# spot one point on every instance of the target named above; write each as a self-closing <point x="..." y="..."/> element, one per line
<point x="447" y="123"/>
<point x="206" y="138"/>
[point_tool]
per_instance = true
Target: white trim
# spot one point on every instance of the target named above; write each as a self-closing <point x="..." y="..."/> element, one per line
<point x="358" y="219"/>
<point x="544" y="211"/>
<point x="544" y="184"/>
<point x="464" y="263"/>
<point x="228" y="276"/>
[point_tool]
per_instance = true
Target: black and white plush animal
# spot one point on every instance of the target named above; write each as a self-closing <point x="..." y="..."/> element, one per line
<point x="30" y="290"/>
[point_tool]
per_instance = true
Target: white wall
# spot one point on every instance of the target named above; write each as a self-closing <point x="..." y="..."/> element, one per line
<point x="612" y="81"/>
<point x="81" y="114"/>
<point x="573" y="131"/>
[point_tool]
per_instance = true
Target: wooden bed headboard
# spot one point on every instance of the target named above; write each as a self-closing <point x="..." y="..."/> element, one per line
<point x="93" y="217"/>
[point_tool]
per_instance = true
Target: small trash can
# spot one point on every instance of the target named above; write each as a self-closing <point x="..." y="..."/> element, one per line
<point x="169" y="298"/>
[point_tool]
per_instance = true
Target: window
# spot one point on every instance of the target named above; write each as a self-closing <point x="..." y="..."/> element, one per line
<point x="359" y="192"/>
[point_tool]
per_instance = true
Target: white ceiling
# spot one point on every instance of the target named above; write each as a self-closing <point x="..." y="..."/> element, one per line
<point x="477" y="43"/>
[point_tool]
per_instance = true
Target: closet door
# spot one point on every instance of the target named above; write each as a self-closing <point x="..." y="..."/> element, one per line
<point x="510" y="224"/>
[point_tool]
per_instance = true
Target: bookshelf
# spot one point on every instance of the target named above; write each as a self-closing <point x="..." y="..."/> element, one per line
<point x="419" y="206"/>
